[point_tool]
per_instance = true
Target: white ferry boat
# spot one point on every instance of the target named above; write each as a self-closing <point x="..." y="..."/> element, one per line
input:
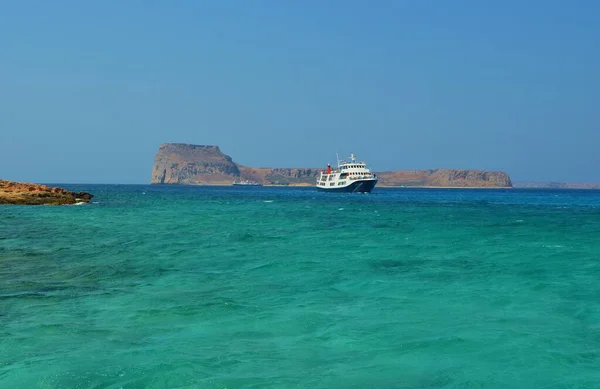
<point x="246" y="183"/>
<point x="349" y="176"/>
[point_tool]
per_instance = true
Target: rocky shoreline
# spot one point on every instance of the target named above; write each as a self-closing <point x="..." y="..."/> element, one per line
<point x="20" y="193"/>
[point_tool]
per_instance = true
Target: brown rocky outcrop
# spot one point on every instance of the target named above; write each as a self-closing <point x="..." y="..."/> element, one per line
<point x="178" y="163"/>
<point x="280" y="176"/>
<point x="446" y="178"/>
<point x="35" y="194"/>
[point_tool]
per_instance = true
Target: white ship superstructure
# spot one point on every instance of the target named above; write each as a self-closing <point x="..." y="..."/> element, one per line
<point x="349" y="176"/>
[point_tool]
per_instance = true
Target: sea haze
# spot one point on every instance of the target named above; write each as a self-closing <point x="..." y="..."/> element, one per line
<point x="231" y="287"/>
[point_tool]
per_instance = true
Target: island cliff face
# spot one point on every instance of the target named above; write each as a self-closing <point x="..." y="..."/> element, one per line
<point x="178" y="163"/>
<point x="445" y="178"/>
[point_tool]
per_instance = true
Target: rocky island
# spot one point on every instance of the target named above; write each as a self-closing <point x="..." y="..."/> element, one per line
<point x="19" y="193"/>
<point x="186" y="164"/>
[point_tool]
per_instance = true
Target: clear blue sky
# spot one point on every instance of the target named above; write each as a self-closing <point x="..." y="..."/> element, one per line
<point x="89" y="90"/>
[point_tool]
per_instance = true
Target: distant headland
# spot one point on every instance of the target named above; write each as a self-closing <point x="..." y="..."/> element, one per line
<point x="187" y="164"/>
<point x="20" y="193"/>
<point x="555" y="185"/>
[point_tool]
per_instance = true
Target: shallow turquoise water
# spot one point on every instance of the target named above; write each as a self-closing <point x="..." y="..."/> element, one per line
<point x="194" y="287"/>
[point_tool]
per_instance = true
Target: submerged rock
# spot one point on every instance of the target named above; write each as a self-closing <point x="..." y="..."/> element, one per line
<point x="20" y="193"/>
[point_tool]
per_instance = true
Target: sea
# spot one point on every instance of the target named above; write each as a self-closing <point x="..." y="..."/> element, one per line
<point x="273" y="287"/>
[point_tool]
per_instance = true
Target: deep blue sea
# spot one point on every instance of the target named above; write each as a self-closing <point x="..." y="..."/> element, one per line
<point x="264" y="287"/>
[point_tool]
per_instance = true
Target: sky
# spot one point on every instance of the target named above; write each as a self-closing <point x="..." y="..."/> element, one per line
<point x="89" y="90"/>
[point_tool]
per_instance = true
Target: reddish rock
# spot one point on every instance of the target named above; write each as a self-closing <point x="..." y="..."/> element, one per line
<point x="34" y="194"/>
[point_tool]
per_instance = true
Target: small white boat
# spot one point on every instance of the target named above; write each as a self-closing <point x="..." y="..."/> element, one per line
<point x="349" y="176"/>
<point x="246" y="183"/>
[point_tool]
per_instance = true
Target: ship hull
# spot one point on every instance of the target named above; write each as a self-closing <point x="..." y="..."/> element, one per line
<point x="361" y="186"/>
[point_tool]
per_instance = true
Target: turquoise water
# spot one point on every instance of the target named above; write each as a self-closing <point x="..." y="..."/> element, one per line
<point x="199" y="287"/>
